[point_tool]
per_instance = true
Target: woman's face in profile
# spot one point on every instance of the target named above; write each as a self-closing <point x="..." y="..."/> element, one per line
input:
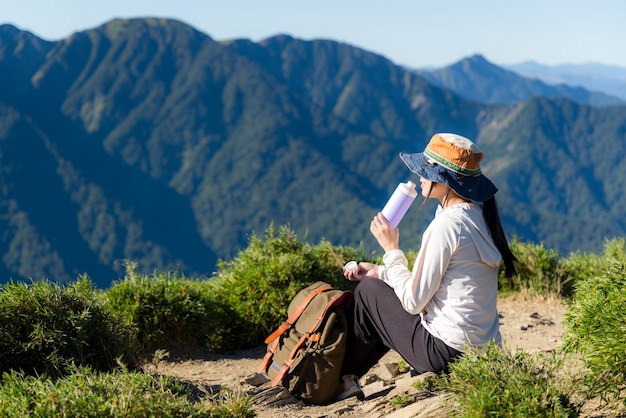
<point x="433" y="190"/>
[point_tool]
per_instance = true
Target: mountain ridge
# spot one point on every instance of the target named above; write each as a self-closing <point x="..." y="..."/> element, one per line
<point x="476" y="78"/>
<point x="609" y="79"/>
<point x="163" y="146"/>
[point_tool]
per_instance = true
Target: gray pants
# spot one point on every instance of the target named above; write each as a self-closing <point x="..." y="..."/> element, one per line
<point x="378" y="322"/>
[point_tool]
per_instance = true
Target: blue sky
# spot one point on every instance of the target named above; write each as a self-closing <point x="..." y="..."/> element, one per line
<point x="416" y="33"/>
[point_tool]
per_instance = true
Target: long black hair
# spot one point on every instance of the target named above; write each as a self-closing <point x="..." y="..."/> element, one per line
<point x="492" y="218"/>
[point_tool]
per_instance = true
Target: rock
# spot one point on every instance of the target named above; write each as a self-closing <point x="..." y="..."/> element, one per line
<point x="368" y="379"/>
<point x="404" y="386"/>
<point x="431" y="407"/>
<point x="388" y="371"/>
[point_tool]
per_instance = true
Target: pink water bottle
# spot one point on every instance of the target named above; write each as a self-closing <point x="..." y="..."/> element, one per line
<point x="399" y="203"/>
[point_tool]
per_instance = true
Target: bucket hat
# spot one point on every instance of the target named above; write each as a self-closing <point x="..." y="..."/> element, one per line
<point x="453" y="160"/>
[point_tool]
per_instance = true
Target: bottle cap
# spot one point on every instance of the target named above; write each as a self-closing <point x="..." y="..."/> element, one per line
<point x="351" y="265"/>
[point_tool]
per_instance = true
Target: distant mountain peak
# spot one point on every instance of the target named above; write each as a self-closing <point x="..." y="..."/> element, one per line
<point x="478" y="58"/>
<point x="278" y="38"/>
<point x="131" y="27"/>
<point x="476" y="78"/>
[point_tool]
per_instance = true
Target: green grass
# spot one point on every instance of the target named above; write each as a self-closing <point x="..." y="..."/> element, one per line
<point x="543" y="271"/>
<point x="539" y="269"/>
<point x="499" y="383"/>
<point x="45" y="328"/>
<point x="401" y="401"/>
<point x="596" y="326"/>
<point x="120" y="393"/>
<point x="166" y="310"/>
<point x="64" y="347"/>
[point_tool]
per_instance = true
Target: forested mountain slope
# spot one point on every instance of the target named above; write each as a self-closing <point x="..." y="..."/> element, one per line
<point x="147" y="140"/>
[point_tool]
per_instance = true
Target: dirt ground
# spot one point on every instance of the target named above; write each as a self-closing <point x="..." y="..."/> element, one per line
<point x="530" y="324"/>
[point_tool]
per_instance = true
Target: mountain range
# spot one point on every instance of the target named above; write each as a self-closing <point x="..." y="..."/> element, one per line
<point x="609" y="79"/>
<point x="147" y="140"/>
<point x="475" y="78"/>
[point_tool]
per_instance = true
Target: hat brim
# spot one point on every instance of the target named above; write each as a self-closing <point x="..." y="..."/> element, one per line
<point x="477" y="188"/>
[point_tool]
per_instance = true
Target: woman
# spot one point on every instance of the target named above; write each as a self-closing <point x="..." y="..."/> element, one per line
<point x="430" y="314"/>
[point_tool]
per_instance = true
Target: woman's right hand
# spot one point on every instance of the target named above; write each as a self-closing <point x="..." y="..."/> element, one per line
<point x="386" y="236"/>
<point x="364" y="270"/>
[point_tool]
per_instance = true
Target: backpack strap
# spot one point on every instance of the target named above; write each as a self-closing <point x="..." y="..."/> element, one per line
<point x="305" y="337"/>
<point x="296" y="314"/>
<point x="273" y="337"/>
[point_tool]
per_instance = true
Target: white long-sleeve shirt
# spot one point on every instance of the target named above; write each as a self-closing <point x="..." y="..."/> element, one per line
<point x="454" y="282"/>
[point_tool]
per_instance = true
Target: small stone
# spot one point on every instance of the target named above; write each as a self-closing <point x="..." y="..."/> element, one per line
<point x="369" y="379"/>
<point x="389" y="370"/>
<point x="404" y="386"/>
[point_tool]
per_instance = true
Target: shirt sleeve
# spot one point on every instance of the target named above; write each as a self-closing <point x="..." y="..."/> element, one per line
<point x="415" y="289"/>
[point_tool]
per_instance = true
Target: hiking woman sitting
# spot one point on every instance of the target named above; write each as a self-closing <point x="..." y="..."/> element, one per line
<point x="448" y="301"/>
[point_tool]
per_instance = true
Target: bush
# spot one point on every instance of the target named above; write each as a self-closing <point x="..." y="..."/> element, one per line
<point x="86" y="393"/>
<point x="579" y="267"/>
<point x="238" y="307"/>
<point x="539" y="270"/>
<point x="595" y="326"/>
<point x="165" y="310"/>
<point x="44" y="329"/>
<point x="544" y="271"/>
<point x="615" y="251"/>
<point x="583" y="266"/>
<point x="262" y="280"/>
<point x="498" y="383"/>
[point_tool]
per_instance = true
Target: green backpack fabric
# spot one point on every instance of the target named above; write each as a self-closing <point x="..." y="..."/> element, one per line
<point x="306" y="352"/>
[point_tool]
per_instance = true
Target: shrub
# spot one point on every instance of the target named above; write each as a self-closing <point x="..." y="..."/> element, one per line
<point x="498" y="383"/>
<point x="539" y="270"/>
<point x="579" y="267"/>
<point x="238" y="307"/>
<point x="615" y="250"/>
<point x="164" y="310"/>
<point x="583" y="266"/>
<point x="543" y="271"/>
<point x="120" y="393"/>
<point x="262" y="280"/>
<point x="45" y="328"/>
<point x="595" y="326"/>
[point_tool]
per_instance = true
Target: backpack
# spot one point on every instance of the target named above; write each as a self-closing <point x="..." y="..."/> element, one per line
<point x="305" y="353"/>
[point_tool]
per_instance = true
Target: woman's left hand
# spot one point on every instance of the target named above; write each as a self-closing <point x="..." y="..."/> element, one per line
<point x="386" y="236"/>
<point x="362" y="271"/>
